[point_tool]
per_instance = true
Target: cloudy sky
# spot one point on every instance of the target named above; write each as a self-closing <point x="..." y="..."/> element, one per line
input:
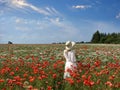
<point x="47" y="21"/>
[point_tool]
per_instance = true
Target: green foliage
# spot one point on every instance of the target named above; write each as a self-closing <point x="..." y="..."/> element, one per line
<point x="110" y="38"/>
<point x="96" y="37"/>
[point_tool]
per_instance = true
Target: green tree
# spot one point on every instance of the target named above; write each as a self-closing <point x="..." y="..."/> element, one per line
<point x="102" y="37"/>
<point x="96" y="37"/>
<point x="111" y="38"/>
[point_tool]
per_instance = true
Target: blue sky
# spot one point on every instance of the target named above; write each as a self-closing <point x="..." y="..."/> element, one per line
<point x="47" y="21"/>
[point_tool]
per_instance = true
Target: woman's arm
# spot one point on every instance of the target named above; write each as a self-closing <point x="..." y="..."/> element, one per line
<point x="65" y="54"/>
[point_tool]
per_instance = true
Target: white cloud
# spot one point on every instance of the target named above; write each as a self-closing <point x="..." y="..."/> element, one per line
<point x="82" y="6"/>
<point x="50" y="10"/>
<point x="24" y="5"/>
<point x="53" y="11"/>
<point x="17" y="20"/>
<point x="43" y="30"/>
<point x="118" y="16"/>
<point x="65" y="27"/>
<point x="43" y="24"/>
<point x="57" y="19"/>
<point x="21" y="21"/>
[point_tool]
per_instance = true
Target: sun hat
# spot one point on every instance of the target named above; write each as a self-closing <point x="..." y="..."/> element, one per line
<point x="69" y="45"/>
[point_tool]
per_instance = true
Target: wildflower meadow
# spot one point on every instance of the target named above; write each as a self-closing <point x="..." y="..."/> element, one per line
<point x="41" y="67"/>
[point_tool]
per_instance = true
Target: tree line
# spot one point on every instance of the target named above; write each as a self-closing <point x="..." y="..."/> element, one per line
<point x="98" y="37"/>
<point x="110" y="38"/>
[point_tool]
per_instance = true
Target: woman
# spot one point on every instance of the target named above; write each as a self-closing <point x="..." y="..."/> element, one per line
<point x="69" y="55"/>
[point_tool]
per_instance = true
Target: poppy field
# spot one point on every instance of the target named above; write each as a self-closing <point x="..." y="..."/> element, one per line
<point x="41" y="67"/>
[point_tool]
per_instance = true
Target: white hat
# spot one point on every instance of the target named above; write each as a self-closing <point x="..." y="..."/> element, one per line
<point x="69" y="45"/>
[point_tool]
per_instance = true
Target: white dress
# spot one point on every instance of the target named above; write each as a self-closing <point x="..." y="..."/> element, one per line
<point x="70" y="62"/>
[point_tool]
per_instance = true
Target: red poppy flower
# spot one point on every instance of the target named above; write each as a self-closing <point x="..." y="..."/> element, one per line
<point x="54" y="76"/>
